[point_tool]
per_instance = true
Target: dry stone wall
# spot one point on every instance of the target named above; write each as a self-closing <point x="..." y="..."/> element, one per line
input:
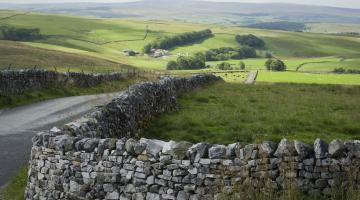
<point x="20" y="81"/>
<point x="98" y="157"/>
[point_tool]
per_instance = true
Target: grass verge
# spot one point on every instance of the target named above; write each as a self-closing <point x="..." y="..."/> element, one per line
<point x="16" y="188"/>
<point x="52" y="93"/>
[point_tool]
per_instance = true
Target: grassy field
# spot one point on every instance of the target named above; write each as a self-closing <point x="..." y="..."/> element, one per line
<point x="106" y="39"/>
<point x="328" y="66"/>
<point x="227" y="112"/>
<point x="332" y="27"/>
<point x="291" y="63"/>
<point x="297" y="77"/>
<point x="17" y="55"/>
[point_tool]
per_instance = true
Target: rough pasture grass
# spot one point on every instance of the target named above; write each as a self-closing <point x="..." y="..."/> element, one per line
<point x="89" y="36"/>
<point x="332" y="27"/>
<point x="22" y="56"/>
<point x="299" y="77"/>
<point x="16" y="188"/>
<point x="291" y="63"/>
<point x="228" y="112"/>
<point x="330" y="66"/>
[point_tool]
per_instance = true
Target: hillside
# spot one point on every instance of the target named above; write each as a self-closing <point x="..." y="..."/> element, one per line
<point x="18" y="55"/>
<point x="232" y="13"/>
<point x="107" y="39"/>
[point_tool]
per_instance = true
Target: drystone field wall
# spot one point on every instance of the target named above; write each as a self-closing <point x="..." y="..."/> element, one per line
<point x="98" y="157"/>
<point x="20" y="81"/>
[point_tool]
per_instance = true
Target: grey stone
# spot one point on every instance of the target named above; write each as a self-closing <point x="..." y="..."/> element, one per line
<point x="177" y="150"/>
<point x="320" y="148"/>
<point x="197" y="151"/>
<point x="138" y="196"/>
<point x="130" y="188"/>
<point x="182" y="195"/>
<point x="150" y="180"/>
<point x="153" y="147"/>
<point x="139" y="148"/>
<point x="267" y="149"/>
<point x="302" y="149"/>
<point x="130" y="145"/>
<point x="74" y="186"/>
<point x="285" y="148"/>
<point x="120" y="145"/>
<point x="353" y="147"/>
<point x="337" y="149"/>
<point x="217" y="151"/>
<point x="231" y="150"/>
<point x="248" y="151"/>
<point x="90" y="145"/>
<point x="62" y="143"/>
<point x="152" y="196"/>
<point x="112" y="195"/>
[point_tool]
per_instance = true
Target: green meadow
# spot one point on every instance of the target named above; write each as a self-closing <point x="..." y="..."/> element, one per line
<point x="293" y="64"/>
<point x="229" y="112"/>
<point x="310" y="78"/>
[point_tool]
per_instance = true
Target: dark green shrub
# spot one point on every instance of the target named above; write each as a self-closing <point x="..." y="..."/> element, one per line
<point x="275" y="65"/>
<point x="242" y="65"/>
<point x="20" y="34"/>
<point x="251" y="41"/>
<point x="178" y="40"/>
<point x="224" y="66"/>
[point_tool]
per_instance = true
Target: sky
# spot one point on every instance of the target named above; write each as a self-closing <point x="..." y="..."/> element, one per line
<point x="336" y="3"/>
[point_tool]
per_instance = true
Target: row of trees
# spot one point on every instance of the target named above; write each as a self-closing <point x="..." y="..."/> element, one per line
<point x="344" y="71"/>
<point x="227" y="66"/>
<point x="20" y="34"/>
<point x="251" y="41"/>
<point x="178" y="40"/>
<point x="186" y="63"/>
<point x="226" y="53"/>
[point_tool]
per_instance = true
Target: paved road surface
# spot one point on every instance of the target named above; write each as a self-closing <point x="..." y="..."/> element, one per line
<point x="18" y="126"/>
<point x="251" y="77"/>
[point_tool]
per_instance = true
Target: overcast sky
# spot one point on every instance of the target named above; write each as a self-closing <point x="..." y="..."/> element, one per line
<point x="337" y="3"/>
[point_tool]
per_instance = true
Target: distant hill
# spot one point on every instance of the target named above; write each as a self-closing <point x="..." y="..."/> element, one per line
<point x="280" y="25"/>
<point x="202" y="11"/>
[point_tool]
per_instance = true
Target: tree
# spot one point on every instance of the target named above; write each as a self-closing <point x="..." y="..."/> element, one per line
<point x="247" y="52"/>
<point x="278" y="65"/>
<point x="275" y="65"/>
<point x="147" y="48"/>
<point x="224" y="66"/>
<point x="177" y="40"/>
<point x="20" y="34"/>
<point x="183" y="62"/>
<point x="268" y="64"/>
<point x="226" y="53"/>
<point x="242" y="65"/>
<point x="268" y="55"/>
<point x="172" y="65"/>
<point x="250" y="40"/>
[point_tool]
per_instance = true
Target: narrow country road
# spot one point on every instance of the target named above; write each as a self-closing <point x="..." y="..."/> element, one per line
<point x="18" y="126"/>
<point x="251" y="77"/>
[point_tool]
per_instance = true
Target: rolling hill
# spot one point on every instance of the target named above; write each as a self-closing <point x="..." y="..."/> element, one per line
<point x="106" y="39"/>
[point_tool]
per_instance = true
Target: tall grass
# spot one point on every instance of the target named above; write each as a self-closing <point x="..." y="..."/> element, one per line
<point x="226" y="113"/>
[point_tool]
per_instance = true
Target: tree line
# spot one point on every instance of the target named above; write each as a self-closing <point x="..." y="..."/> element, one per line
<point x="227" y="53"/>
<point x="251" y="41"/>
<point x="20" y="34"/>
<point x="178" y="40"/>
<point x="187" y="63"/>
